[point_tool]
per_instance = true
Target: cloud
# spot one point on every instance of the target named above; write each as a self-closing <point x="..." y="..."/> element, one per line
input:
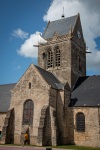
<point x="90" y="17"/>
<point x="20" y="34"/>
<point x="27" y="49"/>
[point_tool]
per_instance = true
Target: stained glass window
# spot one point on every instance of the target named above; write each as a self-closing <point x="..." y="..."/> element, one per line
<point x="28" y="112"/>
<point x="80" y="122"/>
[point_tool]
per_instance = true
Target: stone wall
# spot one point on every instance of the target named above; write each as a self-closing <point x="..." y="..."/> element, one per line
<point x="78" y="53"/>
<point x="91" y="136"/>
<point x="38" y="93"/>
<point x="63" y="114"/>
<point x="70" y="125"/>
<point x="44" y="130"/>
<point x="62" y="72"/>
<point x="53" y="97"/>
<point x="8" y="128"/>
<point x="2" y="119"/>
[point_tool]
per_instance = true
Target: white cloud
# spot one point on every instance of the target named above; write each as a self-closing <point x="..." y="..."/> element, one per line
<point x="20" y="34"/>
<point x="27" y="49"/>
<point x="90" y="17"/>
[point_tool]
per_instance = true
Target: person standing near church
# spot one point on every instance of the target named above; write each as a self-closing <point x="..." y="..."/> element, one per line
<point x="25" y="139"/>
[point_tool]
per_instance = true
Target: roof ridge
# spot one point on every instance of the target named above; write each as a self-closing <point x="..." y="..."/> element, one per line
<point x="63" y="18"/>
<point x="49" y="77"/>
<point x="47" y="72"/>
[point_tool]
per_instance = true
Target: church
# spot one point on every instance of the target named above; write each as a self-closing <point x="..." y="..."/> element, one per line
<point x="55" y="103"/>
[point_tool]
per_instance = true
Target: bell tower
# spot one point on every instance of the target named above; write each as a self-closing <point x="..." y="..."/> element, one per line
<point x="65" y="52"/>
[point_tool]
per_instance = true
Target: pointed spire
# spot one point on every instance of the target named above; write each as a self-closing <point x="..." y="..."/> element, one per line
<point x="63" y="16"/>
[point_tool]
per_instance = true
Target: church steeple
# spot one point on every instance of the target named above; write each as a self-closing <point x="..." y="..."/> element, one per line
<point x="64" y="55"/>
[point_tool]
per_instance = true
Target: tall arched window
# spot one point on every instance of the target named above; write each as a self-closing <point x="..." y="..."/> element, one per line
<point x="28" y="112"/>
<point x="80" y="122"/>
<point x="49" y="58"/>
<point x="57" y="56"/>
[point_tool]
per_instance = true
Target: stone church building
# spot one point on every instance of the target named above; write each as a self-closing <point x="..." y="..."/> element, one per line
<point x="54" y="102"/>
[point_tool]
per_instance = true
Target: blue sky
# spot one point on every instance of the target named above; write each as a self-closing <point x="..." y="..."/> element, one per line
<point x="21" y="19"/>
<point x="26" y="15"/>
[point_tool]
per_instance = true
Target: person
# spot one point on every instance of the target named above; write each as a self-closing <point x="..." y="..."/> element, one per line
<point x="25" y="139"/>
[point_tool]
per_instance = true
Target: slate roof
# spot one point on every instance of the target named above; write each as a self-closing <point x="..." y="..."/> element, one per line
<point x="61" y="26"/>
<point x="50" y="78"/>
<point x="86" y="92"/>
<point x="5" y="96"/>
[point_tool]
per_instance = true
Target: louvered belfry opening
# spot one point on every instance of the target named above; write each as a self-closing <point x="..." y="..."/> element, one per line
<point x="49" y="59"/>
<point x="57" y="56"/>
<point x="53" y="57"/>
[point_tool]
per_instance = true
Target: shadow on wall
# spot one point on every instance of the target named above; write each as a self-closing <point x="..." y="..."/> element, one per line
<point x="65" y="118"/>
<point x="44" y="130"/>
<point x="8" y="128"/>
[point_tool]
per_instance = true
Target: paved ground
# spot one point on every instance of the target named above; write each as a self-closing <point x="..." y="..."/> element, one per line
<point x="20" y="148"/>
<point x="26" y="148"/>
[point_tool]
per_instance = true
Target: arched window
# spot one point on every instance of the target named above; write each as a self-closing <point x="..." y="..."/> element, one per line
<point x="80" y="122"/>
<point x="28" y="112"/>
<point x="57" y="56"/>
<point x="49" y="58"/>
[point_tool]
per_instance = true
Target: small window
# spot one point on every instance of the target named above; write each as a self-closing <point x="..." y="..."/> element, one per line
<point x="80" y="122"/>
<point x="29" y="85"/>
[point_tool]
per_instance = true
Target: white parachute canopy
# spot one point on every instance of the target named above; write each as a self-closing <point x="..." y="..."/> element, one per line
<point x="40" y="39"/>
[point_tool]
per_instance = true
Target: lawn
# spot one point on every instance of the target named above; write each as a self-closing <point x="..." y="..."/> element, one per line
<point x="76" y="147"/>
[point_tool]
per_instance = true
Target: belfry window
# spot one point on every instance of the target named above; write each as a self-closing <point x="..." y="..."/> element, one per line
<point x="57" y="56"/>
<point x="49" y="59"/>
<point x="28" y="112"/>
<point x="80" y="122"/>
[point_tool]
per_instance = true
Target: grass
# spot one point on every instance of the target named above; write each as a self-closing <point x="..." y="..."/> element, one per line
<point x="74" y="147"/>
